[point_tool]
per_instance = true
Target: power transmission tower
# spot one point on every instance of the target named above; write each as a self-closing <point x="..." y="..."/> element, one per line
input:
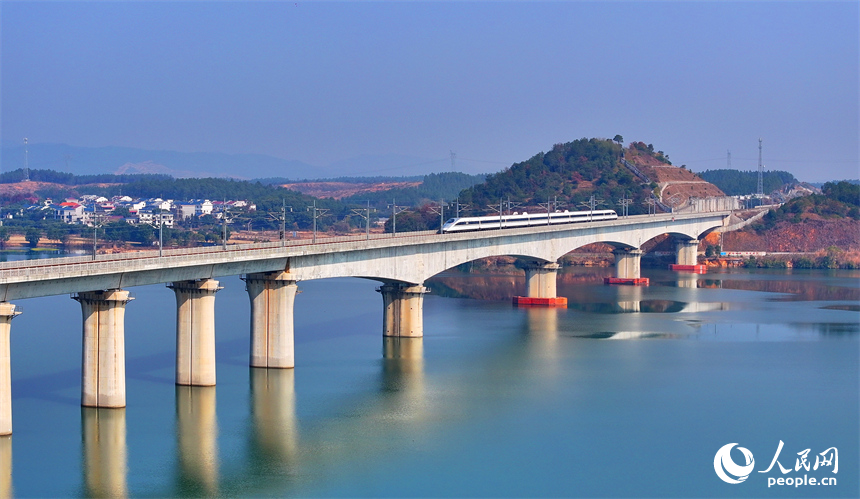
<point x="453" y="157"/>
<point x="728" y="159"/>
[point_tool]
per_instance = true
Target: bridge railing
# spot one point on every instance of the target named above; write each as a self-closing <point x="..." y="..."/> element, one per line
<point x="104" y="261"/>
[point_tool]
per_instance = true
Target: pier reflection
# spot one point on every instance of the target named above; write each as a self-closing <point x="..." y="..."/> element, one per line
<point x="542" y="349"/>
<point x="197" y="440"/>
<point x="6" y="466"/>
<point x="630" y="299"/>
<point x="105" y="451"/>
<point x="273" y="409"/>
<point x="403" y="376"/>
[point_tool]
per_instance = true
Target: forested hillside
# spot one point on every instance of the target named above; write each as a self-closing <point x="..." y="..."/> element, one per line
<point x="738" y="183"/>
<point x="569" y="173"/>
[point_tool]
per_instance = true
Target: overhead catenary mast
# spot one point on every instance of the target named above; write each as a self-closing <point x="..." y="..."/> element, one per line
<point x="26" y="162"/>
<point x="760" y="190"/>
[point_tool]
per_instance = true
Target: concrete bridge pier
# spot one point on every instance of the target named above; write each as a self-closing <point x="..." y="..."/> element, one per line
<point x="103" y="373"/>
<point x="540" y="279"/>
<point x="7" y="313"/>
<point x="627" y="263"/>
<point x="687" y="252"/>
<point x="195" y="331"/>
<point x="105" y="452"/>
<point x="403" y="309"/>
<point x="272" y="297"/>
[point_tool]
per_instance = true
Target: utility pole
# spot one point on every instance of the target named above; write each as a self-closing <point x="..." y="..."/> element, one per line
<point x="26" y="162"/>
<point x="591" y="204"/>
<point x="160" y="235"/>
<point x="458" y="207"/>
<point x="284" y="221"/>
<point x="224" y="227"/>
<point x="318" y="212"/>
<point x="439" y="210"/>
<point x="365" y="214"/>
<point x="500" y="209"/>
<point x="394" y="211"/>
<point x="511" y="205"/>
<point x="547" y="205"/>
<point x="97" y="222"/>
<point x="624" y="202"/>
<point x="652" y="205"/>
<point x="760" y="190"/>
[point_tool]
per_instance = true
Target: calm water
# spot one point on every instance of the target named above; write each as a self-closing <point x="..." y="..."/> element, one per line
<point x="628" y="392"/>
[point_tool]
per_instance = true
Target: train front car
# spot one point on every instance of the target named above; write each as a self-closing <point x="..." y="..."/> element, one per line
<point x="448" y="226"/>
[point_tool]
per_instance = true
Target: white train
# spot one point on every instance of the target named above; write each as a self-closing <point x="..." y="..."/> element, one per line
<point x="465" y="224"/>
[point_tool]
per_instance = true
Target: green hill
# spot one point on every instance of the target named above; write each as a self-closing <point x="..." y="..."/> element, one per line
<point x="570" y="174"/>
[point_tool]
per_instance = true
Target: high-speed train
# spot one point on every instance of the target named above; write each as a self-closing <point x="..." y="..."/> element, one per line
<point x="465" y="224"/>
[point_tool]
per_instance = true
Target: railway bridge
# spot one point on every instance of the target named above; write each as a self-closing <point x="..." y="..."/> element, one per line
<point x="272" y="271"/>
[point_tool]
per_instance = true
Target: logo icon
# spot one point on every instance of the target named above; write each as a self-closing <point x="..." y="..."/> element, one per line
<point x="723" y="463"/>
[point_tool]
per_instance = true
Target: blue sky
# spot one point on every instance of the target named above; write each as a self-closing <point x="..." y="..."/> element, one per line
<point x="496" y="82"/>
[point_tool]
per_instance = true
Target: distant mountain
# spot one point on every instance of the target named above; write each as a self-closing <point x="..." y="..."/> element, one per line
<point x="94" y="160"/>
<point x="387" y="164"/>
<point x="126" y="160"/>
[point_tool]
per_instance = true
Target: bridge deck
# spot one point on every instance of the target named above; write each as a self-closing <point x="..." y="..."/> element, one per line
<point x="258" y="257"/>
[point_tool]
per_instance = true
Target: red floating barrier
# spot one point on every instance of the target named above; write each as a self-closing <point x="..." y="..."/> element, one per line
<point x="632" y="281"/>
<point x="525" y="301"/>
<point x="698" y="269"/>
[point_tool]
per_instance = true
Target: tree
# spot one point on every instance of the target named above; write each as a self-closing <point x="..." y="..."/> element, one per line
<point x="55" y="233"/>
<point x="4" y="236"/>
<point x="33" y="235"/>
<point x="619" y="139"/>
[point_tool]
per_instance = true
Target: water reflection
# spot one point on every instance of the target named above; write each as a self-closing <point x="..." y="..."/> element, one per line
<point x="403" y="377"/>
<point x="273" y="411"/>
<point x="105" y="451"/>
<point x="687" y="280"/>
<point x="6" y="466"/>
<point x="197" y="440"/>
<point x="837" y="328"/>
<point x="796" y="285"/>
<point x="542" y="348"/>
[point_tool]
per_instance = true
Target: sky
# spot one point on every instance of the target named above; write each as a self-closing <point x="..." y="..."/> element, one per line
<point x="493" y="82"/>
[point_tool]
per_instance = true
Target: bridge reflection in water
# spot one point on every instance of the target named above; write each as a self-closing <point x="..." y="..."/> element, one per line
<point x="197" y="440"/>
<point x="105" y="461"/>
<point x="6" y="466"/>
<point x="275" y="438"/>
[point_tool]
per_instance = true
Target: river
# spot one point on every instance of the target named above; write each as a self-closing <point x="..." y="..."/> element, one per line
<point x="630" y="391"/>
